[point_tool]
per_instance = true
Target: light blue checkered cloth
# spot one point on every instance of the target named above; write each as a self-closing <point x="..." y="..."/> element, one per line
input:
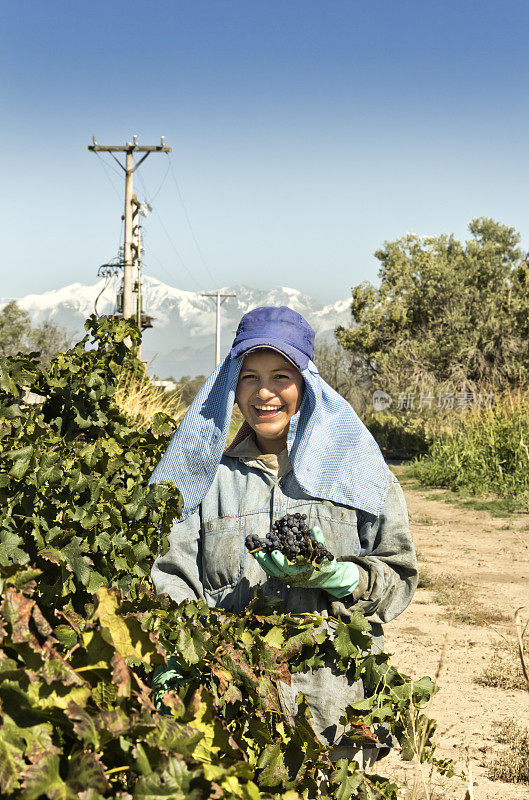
<point x="333" y="455"/>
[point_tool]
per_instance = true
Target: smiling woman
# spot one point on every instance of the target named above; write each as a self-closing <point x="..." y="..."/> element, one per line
<point x="302" y="461"/>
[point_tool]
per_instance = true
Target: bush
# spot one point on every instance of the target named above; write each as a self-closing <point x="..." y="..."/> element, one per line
<point x="400" y="436"/>
<point x="485" y="451"/>
<point x="81" y="630"/>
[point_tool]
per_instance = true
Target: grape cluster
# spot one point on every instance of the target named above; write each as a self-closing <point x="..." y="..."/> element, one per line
<point x="291" y="536"/>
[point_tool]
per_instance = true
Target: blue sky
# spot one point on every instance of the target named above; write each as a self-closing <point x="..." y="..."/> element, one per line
<point x="304" y="134"/>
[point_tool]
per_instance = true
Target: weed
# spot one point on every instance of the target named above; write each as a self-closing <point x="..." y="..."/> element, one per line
<point x="139" y="400"/>
<point x="512" y="765"/>
<point x="484" y="451"/>
<point x="504" y="670"/>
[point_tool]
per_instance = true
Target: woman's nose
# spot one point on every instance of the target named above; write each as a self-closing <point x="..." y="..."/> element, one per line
<point x="264" y="392"/>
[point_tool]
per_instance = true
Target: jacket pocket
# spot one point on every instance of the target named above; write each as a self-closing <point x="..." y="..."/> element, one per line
<point x="222" y="553"/>
<point x="339" y="526"/>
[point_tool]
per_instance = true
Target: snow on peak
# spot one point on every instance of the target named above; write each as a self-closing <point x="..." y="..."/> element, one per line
<point x="182" y="341"/>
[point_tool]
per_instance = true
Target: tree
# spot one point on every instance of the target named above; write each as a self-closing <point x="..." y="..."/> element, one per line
<point x="15" y="325"/>
<point x="49" y="339"/>
<point x="18" y="336"/>
<point x="344" y="371"/>
<point x="446" y="313"/>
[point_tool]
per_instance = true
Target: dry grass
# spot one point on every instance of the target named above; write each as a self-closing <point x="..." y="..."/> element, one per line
<point x="504" y="670"/>
<point x="457" y="596"/>
<point x="236" y="421"/>
<point x="139" y="399"/>
<point x="512" y="765"/>
<point x="422" y="519"/>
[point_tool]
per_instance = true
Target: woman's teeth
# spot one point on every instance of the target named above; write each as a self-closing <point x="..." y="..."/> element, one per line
<point x="267" y="411"/>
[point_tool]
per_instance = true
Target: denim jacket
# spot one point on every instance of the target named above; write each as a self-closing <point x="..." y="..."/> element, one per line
<point x="207" y="559"/>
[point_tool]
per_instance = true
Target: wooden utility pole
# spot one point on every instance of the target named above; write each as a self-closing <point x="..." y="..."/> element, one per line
<point x="129" y="169"/>
<point x="218" y="303"/>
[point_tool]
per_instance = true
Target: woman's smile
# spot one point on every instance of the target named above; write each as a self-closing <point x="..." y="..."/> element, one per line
<point x="266" y="411"/>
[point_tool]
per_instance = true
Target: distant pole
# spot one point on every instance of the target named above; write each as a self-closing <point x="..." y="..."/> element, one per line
<point x="129" y="169"/>
<point x="217" y="333"/>
<point x="218" y="303"/>
<point x="136" y="261"/>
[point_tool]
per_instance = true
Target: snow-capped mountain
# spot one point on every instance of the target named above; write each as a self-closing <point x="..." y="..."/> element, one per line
<point x="182" y="341"/>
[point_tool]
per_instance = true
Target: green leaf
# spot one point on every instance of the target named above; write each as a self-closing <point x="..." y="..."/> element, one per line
<point x="346" y="779"/>
<point x="11" y="550"/>
<point x="190" y="644"/>
<point x="43" y="779"/>
<point x="21" y="461"/>
<point x="12" y="763"/>
<point x="126" y="635"/>
<point x="172" y="782"/>
<point x="275" y="637"/>
<point x="85" y="771"/>
<point x="175" y="737"/>
<point x="66" y="635"/>
<point x="271" y="762"/>
<point x="350" y="637"/>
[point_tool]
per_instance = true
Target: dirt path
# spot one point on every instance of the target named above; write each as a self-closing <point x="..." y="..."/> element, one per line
<point x="478" y="567"/>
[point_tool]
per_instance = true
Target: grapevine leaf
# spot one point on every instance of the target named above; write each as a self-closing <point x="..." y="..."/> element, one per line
<point x="346" y="779"/>
<point x="43" y="779"/>
<point x="12" y="764"/>
<point x="271" y="762"/>
<point x="10" y="549"/>
<point x="275" y="637"/>
<point x="126" y="635"/>
<point x="173" y="782"/>
<point x="83" y="725"/>
<point x="175" y="737"/>
<point x="85" y="769"/>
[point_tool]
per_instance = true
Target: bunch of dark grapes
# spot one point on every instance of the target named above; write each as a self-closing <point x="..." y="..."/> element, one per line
<point x="291" y="536"/>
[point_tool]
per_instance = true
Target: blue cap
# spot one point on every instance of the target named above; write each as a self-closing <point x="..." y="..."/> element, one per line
<point x="279" y="328"/>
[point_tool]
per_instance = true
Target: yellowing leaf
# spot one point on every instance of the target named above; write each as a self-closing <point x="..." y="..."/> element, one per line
<point x="127" y="635"/>
<point x="275" y="637"/>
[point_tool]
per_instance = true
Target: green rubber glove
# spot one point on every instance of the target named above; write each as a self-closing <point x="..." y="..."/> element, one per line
<point x="338" y="578"/>
<point x="164" y="679"/>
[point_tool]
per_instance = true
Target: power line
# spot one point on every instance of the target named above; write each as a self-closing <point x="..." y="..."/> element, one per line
<point x="186" y="214"/>
<point x="150" y="251"/>
<point x="151" y="198"/>
<point x="109" y="179"/>
<point x="182" y="262"/>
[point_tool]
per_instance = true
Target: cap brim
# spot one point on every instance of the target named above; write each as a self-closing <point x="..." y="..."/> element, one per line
<point x="295" y="356"/>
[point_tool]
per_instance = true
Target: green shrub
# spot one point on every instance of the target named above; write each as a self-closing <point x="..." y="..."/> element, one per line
<point x="400" y="435"/>
<point x="485" y="451"/>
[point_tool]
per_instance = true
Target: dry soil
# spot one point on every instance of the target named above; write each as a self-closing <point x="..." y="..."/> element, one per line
<point x="489" y="558"/>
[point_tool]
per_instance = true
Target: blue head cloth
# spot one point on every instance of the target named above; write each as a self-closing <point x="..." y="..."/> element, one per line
<point x="333" y="455"/>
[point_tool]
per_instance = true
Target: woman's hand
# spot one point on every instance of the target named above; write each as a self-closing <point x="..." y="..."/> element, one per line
<point x="338" y="578"/>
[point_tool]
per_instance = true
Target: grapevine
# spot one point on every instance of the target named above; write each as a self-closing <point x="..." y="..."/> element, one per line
<point x="81" y="630"/>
